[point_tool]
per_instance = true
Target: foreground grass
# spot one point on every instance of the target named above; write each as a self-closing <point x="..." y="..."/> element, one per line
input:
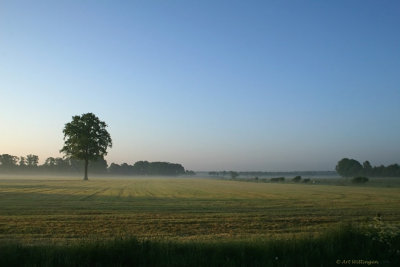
<point x="345" y="245"/>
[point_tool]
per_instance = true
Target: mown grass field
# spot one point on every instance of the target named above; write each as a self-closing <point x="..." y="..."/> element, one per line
<point x="42" y="210"/>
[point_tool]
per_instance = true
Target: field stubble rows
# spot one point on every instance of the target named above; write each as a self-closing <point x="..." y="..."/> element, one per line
<point x="60" y="210"/>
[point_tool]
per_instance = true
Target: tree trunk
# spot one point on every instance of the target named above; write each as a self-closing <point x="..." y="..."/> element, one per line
<point x="86" y="170"/>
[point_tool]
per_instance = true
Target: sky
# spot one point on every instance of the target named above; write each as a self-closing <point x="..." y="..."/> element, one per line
<point x="213" y="85"/>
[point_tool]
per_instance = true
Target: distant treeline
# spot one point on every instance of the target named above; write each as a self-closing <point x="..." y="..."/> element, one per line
<point x="261" y="174"/>
<point x="30" y="164"/>
<point x="149" y="168"/>
<point x="351" y="167"/>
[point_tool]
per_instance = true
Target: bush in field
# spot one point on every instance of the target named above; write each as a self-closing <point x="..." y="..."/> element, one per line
<point x="359" y="180"/>
<point x="306" y="180"/>
<point x="278" y="179"/>
<point x="296" y="179"/>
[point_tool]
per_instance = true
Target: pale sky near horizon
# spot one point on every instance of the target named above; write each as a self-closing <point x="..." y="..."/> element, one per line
<point x="214" y="85"/>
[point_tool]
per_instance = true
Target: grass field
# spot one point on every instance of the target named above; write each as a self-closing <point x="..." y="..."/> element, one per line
<point x="42" y="210"/>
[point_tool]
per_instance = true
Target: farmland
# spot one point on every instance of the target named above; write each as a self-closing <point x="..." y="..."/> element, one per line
<point x="43" y="210"/>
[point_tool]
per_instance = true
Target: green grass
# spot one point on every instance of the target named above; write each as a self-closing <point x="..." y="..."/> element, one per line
<point x="64" y="210"/>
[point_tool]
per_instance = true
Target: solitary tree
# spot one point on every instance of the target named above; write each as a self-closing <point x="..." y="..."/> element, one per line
<point x="86" y="138"/>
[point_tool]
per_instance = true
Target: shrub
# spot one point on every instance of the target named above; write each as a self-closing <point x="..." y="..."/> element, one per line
<point x="306" y="180"/>
<point x="278" y="179"/>
<point x="296" y="179"/>
<point x="360" y="180"/>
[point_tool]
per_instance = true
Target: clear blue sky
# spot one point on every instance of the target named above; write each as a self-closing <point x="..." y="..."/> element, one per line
<point x="235" y="85"/>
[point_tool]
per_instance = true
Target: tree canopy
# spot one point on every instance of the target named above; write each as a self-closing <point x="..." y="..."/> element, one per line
<point x="8" y="162"/>
<point x="86" y="138"/>
<point x="351" y="168"/>
<point x="348" y="167"/>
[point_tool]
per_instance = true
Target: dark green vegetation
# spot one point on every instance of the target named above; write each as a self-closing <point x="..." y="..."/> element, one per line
<point x="278" y="179"/>
<point x="351" y="167"/>
<point x="296" y="179"/>
<point x="345" y="245"/>
<point x="86" y="138"/>
<point x="359" y="180"/>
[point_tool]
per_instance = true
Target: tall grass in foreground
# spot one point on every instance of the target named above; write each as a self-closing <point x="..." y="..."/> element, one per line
<point x="345" y="245"/>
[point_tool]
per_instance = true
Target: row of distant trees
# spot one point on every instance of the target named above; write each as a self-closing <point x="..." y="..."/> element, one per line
<point x="351" y="167"/>
<point x="149" y="168"/>
<point x="266" y="173"/>
<point x="30" y="164"/>
<point x="232" y="174"/>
